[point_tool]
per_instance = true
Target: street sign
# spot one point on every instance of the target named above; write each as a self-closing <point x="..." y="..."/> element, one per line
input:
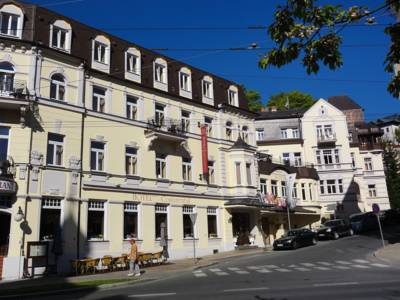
<point x="375" y="208"/>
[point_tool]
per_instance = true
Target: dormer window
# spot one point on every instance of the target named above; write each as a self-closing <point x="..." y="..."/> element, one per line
<point x="101" y="54"/>
<point x="160" y="74"/>
<point x="133" y="65"/>
<point x="11" y="21"/>
<point x="185" y="83"/>
<point x="207" y="88"/>
<point x="233" y="98"/>
<point x="60" y="36"/>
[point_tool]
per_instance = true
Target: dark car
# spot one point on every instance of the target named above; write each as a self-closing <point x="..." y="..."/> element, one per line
<point x="391" y="217"/>
<point x="296" y="238"/>
<point x="364" y="222"/>
<point x="334" y="229"/>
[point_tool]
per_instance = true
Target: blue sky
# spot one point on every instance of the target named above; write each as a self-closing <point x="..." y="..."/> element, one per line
<point x="362" y="77"/>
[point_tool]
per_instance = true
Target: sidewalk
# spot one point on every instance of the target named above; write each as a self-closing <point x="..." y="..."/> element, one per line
<point x="104" y="280"/>
<point x="390" y="254"/>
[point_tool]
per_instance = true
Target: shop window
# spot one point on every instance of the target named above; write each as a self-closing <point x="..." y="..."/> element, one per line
<point x="212" y="222"/>
<point x="130" y="220"/>
<point x="50" y="218"/>
<point x="188" y="230"/>
<point x="161" y="216"/>
<point x="96" y="220"/>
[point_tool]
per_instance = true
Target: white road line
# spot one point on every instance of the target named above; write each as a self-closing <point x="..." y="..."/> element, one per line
<point x="361" y="261"/>
<point x="342" y="262"/>
<point x="335" y="284"/>
<point x="360" y="266"/>
<point x="308" y="264"/>
<point x="221" y="273"/>
<point x="242" y="272"/>
<point x="324" y="263"/>
<point x="292" y="266"/>
<point x="200" y="274"/>
<point x="283" y="270"/>
<point x="342" y="267"/>
<point x="198" y="271"/>
<point x="254" y="267"/>
<point x="152" y="295"/>
<point x="263" y="271"/>
<point x="380" y="265"/>
<point x="215" y="270"/>
<point x="271" y="266"/>
<point x="246" y="289"/>
<point x="233" y="269"/>
<point x="302" y="269"/>
<point x="322" y="268"/>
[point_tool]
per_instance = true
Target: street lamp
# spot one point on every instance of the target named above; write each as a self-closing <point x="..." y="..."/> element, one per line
<point x="19" y="216"/>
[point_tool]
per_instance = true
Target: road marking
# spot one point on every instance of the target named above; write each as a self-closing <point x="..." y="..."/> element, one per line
<point x="271" y="266"/>
<point x="324" y="263"/>
<point x="242" y="272"/>
<point x="253" y="267"/>
<point x="263" y="271"/>
<point x="233" y="269"/>
<point x="335" y="284"/>
<point x="283" y="270"/>
<point x="292" y="266"/>
<point x="342" y="262"/>
<point x="360" y="266"/>
<point x="246" y="289"/>
<point x="308" y="264"/>
<point x="361" y="261"/>
<point x="215" y="270"/>
<point x="198" y="271"/>
<point x="302" y="269"/>
<point x="200" y="274"/>
<point x="152" y="295"/>
<point x="221" y="273"/>
<point x="322" y="268"/>
<point x="342" y="267"/>
<point x="380" y="265"/>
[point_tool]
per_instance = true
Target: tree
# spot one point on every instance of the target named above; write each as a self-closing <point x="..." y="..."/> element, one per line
<point x="303" y="29"/>
<point x="254" y="100"/>
<point x="397" y="135"/>
<point x="392" y="165"/>
<point x="296" y="100"/>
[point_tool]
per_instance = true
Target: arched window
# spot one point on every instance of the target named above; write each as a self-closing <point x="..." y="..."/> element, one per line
<point x="185" y="82"/>
<point x="208" y="90"/>
<point x="101" y="53"/>
<point x="160" y="74"/>
<point x="6" y="77"/>
<point x="60" y="35"/>
<point x="245" y="134"/>
<point x="57" y="87"/>
<point x="11" y="20"/>
<point x="228" y="130"/>
<point x="133" y="64"/>
<point x="233" y="98"/>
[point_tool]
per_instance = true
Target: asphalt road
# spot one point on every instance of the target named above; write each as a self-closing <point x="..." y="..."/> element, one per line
<point x="343" y="269"/>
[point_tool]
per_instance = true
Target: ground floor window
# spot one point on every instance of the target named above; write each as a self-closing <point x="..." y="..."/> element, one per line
<point x="161" y="216"/>
<point x="5" y="224"/>
<point x="130" y="220"/>
<point x="212" y="222"/>
<point x="96" y="220"/>
<point x="188" y="231"/>
<point x="50" y="218"/>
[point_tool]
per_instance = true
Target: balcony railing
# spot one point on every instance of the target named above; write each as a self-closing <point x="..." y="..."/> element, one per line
<point x="371" y="146"/>
<point x="327" y="138"/>
<point x="167" y="125"/>
<point x="13" y="88"/>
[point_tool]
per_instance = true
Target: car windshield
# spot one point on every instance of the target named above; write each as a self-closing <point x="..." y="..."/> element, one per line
<point x="333" y="223"/>
<point x="293" y="233"/>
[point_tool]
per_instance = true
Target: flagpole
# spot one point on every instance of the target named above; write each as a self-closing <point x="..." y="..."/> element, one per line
<point x="288" y="215"/>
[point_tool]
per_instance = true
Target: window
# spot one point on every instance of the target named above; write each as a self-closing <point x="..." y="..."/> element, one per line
<point x="371" y="190"/>
<point x="4" y="136"/>
<point x="310" y="189"/>
<point x="132" y="63"/>
<point x="207" y="86"/>
<point x="337" y="160"/>
<point x="130" y="220"/>
<point x="130" y="161"/>
<point x="160" y="115"/>
<point x="294" y="192"/>
<point x="238" y="173"/>
<point x="212" y="222"/>
<point x="185" y="81"/>
<point x="6" y="77"/>
<point x="260" y="134"/>
<point x="263" y="186"/>
<point x="328" y="159"/>
<point x="228" y="130"/>
<point x="10" y="24"/>
<point x="188" y="230"/>
<point x="286" y="158"/>
<point x="368" y="164"/>
<point x="161" y="218"/>
<point x="161" y="166"/>
<point x="283" y="188"/>
<point x="99" y="99"/>
<point x="55" y="148"/>
<point x="131" y="107"/>
<point x="295" y="133"/>
<point x="322" y="187"/>
<point x="50" y="218"/>
<point x="324" y="132"/>
<point x="340" y="185"/>
<point x="233" y="98"/>
<point x="318" y="155"/>
<point x="303" y="191"/>
<point x="57" y="87"/>
<point x="284" y="133"/>
<point x="208" y="122"/>
<point x="95" y="229"/>
<point x="187" y="169"/>
<point x="185" y="121"/>
<point x="100" y="50"/>
<point x="353" y="160"/>
<point x="274" y="187"/>
<point x="211" y="175"/>
<point x="60" y="35"/>
<point x="245" y="134"/>
<point x="160" y="71"/>
<point x="297" y="159"/>
<point x="248" y="174"/>
<point x="331" y="186"/>
<point x="97" y="156"/>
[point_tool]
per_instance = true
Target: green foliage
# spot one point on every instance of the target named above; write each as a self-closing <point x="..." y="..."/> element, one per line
<point x="310" y="32"/>
<point x="392" y="164"/>
<point x="296" y="100"/>
<point x="254" y="100"/>
<point x="397" y="135"/>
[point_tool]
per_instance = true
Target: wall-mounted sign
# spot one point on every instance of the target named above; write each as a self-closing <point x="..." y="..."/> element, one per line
<point x="38" y="249"/>
<point x="7" y="187"/>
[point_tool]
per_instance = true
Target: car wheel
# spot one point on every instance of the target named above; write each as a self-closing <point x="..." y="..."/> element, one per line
<point x="351" y="232"/>
<point x="314" y="241"/>
<point x="295" y="245"/>
<point x="335" y="235"/>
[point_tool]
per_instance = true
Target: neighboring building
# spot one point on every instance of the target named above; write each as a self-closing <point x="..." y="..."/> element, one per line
<point x="350" y="175"/>
<point x="104" y="141"/>
<point x="389" y="126"/>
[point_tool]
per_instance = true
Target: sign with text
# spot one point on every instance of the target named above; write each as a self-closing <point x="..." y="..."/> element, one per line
<point x="7" y="187"/>
<point x="204" y="148"/>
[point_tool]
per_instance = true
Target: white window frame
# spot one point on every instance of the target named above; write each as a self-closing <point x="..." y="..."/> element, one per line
<point x="132" y="207"/>
<point x="49" y="203"/>
<point x="160" y="71"/>
<point x="58" y="84"/>
<point x="274" y="187"/>
<point x="159" y="113"/>
<point x="131" y="107"/>
<point x="331" y="188"/>
<point x="284" y="133"/>
<point x="229" y="131"/>
<point x="133" y="74"/>
<point x="98" y="205"/>
<point x="162" y="209"/>
<point x="101" y="65"/>
<point x="62" y="27"/>
<point x="208" y="121"/>
<point x="303" y="192"/>
<point x="263" y="186"/>
<point x="298" y="161"/>
<point x="133" y="165"/>
<point x="372" y="190"/>
<point x="211" y="172"/>
<point x="161" y="160"/>
<point x="187" y="168"/>
<point x="248" y="174"/>
<point x="185" y="82"/>
<point x="368" y="166"/>
<point x="185" y="120"/>
<point x="238" y="172"/>
<point x="207" y="88"/>
<point x="56" y="146"/>
<point x="100" y="154"/>
<point x="233" y="96"/>
<point x="6" y="137"/>
<point x="188" y="210"/>
<point x="213" y="211"/>
<point x="245" y="134"/>
<point x="101" y="100"/>
<point x="295" y="133"/>
<point x="283" y="188"/>
<point x="12" y="10"/>
<point x="260" y="134"/>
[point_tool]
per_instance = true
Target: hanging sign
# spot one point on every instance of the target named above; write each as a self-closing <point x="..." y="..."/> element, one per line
<point x="7" y="187"/>
<point x="204" y="148"/>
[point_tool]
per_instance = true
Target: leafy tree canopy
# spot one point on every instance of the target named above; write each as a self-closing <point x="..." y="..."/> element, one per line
<point x="304" y="30"/>
<point x="391" y="160"/>
<point x="254" y="100"/>
<point x="295" y="99"/>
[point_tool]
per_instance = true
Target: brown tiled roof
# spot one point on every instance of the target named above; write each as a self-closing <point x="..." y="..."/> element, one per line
<point x="343" y="102"/>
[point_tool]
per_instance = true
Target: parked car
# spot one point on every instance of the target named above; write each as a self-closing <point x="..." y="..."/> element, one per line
<point x="334" y="229"/>
<point x="296" y="238"/>
<point x="391" y="216"/>
<point x="364" y="222"/>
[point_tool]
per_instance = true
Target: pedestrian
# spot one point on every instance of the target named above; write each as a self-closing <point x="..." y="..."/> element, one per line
<point x="133" y="259"/>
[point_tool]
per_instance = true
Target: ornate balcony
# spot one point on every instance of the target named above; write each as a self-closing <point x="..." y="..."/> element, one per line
<point x="13" y="94"/>
<point x="166" y="130"/>
<point x="326" y="139"/>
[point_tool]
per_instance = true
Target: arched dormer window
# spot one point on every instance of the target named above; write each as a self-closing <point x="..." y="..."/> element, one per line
<point x="233" y="96"/>
<point x="208" y="90"/>
<point x="101" y="53"/>
<point x="57" y="87"/>
<point x="245" y="134"/>
<point x="133" y="65"/>
<point x="160" y="74"/>
<point x="7" y="72"/>
<point x="60" y="36"/>
<point x="185" y="82"/>
<point x="228" y="130"/>
<point x="11" y="21"/>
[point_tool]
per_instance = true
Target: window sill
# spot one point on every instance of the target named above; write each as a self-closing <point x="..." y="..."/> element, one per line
<point x="60" y="49"/>
<point x="100" y="62"/>
<point x="137" y="240"/>
<point x="190" y="239"/>
<point x="214" y="238"/>
<point x="10" y="36"/>
<point x="98" y="241"/>
<point x="159" y="239"/>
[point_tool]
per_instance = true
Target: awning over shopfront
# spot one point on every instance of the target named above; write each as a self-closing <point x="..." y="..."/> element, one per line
<point x="249" y="203"/>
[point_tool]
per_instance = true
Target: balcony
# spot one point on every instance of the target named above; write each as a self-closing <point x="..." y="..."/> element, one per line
<point x="326" y="139"/>
<point x="371" y="146"/>
<point x="13" y="93"/>
<point x="166" y="130"/>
